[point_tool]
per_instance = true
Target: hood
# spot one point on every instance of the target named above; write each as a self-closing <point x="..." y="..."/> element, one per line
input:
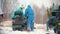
<point x="29" y="6"/>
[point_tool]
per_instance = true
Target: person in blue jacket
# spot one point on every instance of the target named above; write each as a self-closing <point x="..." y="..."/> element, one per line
<point x="29" y="12"/>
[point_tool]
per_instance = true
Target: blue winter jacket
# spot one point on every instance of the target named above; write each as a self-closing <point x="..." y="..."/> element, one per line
<point x="30" y="13"/>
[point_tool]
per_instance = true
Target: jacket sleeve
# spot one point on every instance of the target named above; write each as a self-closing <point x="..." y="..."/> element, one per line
<point x="12" y="15"/>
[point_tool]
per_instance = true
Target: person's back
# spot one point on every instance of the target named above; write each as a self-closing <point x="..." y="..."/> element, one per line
<point x="30" y="14"/>
<point x="17" y="12"/>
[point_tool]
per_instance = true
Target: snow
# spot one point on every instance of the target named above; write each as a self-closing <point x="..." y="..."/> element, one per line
<point x="8" y="30"/>
<point x="36" y="31"/>
<point x="40" y="29"/>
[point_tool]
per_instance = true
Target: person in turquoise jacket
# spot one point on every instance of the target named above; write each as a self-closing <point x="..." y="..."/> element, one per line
<point x="29" y="12"/>
<point x="17" y="13"/>
<point x="17" y="10"/>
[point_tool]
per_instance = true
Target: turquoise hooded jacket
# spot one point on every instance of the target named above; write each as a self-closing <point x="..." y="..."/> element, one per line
<point x="17" y="10"/>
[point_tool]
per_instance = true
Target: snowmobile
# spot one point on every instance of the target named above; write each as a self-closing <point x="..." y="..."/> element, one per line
<point x="57" y="27"/>
<point x="19" y="22"/>
<point x="54" y="21"/>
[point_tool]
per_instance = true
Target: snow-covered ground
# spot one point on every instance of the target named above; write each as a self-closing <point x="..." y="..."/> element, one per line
<point x="36" y="31"/>
<point x="40" y="29"/>
<point x="8" y="30"/>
